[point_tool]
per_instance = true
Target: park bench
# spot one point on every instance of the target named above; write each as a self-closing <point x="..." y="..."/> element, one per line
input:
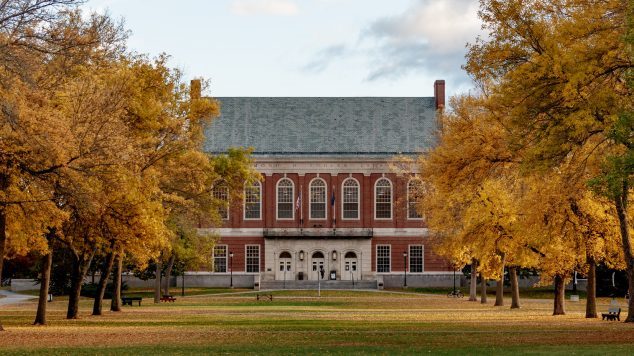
<point x="167" y="298"/>
<point x="129" y="300"/>
<point x="613" y="313"/>
<point x="264" y="297"/>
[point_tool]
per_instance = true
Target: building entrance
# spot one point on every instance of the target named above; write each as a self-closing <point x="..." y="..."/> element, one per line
<point x="350" y="270"/>
<point x="284" y="270"/>
<point x="317" y="265"/>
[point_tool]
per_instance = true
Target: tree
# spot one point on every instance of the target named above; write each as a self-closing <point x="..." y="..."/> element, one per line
<point x="42" y="42"/>
<point x="556" y="71"/>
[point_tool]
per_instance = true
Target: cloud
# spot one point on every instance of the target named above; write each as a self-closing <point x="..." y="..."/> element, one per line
<point x="430" y="37"/>
<point x="264" y="7"/>
<point x="323" y="58"/>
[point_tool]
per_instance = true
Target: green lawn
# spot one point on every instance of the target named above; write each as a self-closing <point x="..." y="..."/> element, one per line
<point x="300" y="322"/>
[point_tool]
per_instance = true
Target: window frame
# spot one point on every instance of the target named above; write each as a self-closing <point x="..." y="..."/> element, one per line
<point x="215" y="193"/>
<point x="420" y="217"/>
<point x="244" y="214"/>
<point x="277" y="199"/>
<point x="310" y="199"/>
<point x="376" y="185"/>
<point x="389" y="257"/>
<point x="343" y="198"/>
<point x="422" y="258"/>
<point x="247" y="256"/>
<point x="226" y="258"/>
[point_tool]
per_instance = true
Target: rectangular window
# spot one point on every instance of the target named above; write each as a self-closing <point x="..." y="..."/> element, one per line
<point x="416" y="258"/>
<point x="253" y="258"/>
<point x="221" y="193"/>
<point x="252" y="202"/>
<point x="414" y="188"/>
<point x="383" y="258"/>
<point x="220" y="258"/>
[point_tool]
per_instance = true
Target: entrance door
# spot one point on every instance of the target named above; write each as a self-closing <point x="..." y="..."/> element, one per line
<point x="350" y="269"/>
<point x="317" y="265"/>
<point x="284" y="269"/>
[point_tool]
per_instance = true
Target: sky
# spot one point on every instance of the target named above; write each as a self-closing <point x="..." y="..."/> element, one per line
<point x="307" y="47"/>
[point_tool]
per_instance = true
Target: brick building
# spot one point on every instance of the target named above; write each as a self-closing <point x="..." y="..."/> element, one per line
<point x="329" y="198"/>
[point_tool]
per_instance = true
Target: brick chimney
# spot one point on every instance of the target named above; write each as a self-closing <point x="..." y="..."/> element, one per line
<point x="195" y="89"/>
<point x="439" y="94"/>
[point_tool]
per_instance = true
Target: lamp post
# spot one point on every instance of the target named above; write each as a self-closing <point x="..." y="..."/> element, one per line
<point x="230" y="269"/>
<point x="405" y="269"/>
<point x="183" y="284"/>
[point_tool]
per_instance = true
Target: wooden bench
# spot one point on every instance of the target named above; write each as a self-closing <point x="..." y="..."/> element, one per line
<point x="612" y="314"/>
<point x="168" y="298"/>
<point x="264" y="296"/>
<point x="129" y="300"/>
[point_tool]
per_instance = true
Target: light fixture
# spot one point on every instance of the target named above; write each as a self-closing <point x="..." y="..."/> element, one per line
<point x="301" y="255"/>
<point x="334" y="255"/>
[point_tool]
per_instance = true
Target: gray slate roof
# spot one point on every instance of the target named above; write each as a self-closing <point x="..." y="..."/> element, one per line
<point x="323" y="126"/>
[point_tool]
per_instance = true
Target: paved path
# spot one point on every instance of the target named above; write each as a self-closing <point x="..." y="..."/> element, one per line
<point x="13" y="298"/>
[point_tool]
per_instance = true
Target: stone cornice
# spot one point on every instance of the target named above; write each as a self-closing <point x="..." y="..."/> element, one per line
<point x="333" y="166"/>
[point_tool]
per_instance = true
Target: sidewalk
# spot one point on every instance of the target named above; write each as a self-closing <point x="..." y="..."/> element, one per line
<point x="13" y="298"/>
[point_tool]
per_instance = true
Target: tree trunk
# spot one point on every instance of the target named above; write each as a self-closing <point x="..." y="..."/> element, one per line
<point x="621" y="210"/>
<point x="591" y="290"/>
<point x="499" y="290"/>
<point x="560" y="296"/>
<point x="115" y="305"/>
<point x="483" y="290"/>
<point x="103" y="282"/>
<point x="473" y="286"/>
<point x="157" y="283"/>
<point x="80" y="269"/>
<point x="168" y="275"/>
<point x="40" y="316"/>
<point x="515" y="288"/>
<point x="3" y="238"/>
<point x="3" y="233"/>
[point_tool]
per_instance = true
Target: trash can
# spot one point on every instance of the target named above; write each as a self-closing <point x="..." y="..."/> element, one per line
<point x="300" y="276"/>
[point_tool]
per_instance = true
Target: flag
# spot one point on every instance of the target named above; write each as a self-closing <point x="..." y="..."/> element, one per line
<point x="299" y="201"/>
<point x="332" y="198"/>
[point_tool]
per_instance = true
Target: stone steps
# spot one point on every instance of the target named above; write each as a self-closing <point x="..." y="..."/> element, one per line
<point x="325" y="285"/>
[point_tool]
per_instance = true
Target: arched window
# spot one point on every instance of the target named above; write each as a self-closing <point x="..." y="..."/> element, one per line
<point x="414" y="188"/>
<point x="221" y="194"/>
<point x="350" y="201"/>
<point x="383" y="199"/>
<point x="317" y="199"/>
<point x="285" y="254"/>
<point x="285" y="194"/>
<point x="253" y="201"/>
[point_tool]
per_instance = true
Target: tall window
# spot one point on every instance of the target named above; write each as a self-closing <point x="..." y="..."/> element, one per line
<point x="413" y="192"/>
<point x="220" y="258"/>
<point x="317" y="199"/>
<point x="383" y="258"/>
<point x="285" y="193"/>
<point x="416" y="258"/>
<point x="383" y="199"/>
<point x="221" y="193"/>
<point x="253" y="258"/>
<point x="253" y="201"/>
<point x="350" y="199"/>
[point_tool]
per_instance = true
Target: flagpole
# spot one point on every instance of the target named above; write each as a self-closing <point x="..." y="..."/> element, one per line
<point x="334" y="209"/>
<point x="301" y="206"/>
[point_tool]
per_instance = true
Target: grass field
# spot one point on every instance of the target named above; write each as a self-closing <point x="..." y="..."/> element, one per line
<point x="300" y="322"/>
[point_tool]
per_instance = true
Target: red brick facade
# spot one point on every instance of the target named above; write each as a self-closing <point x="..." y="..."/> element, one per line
<point x="399" y="220"/>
